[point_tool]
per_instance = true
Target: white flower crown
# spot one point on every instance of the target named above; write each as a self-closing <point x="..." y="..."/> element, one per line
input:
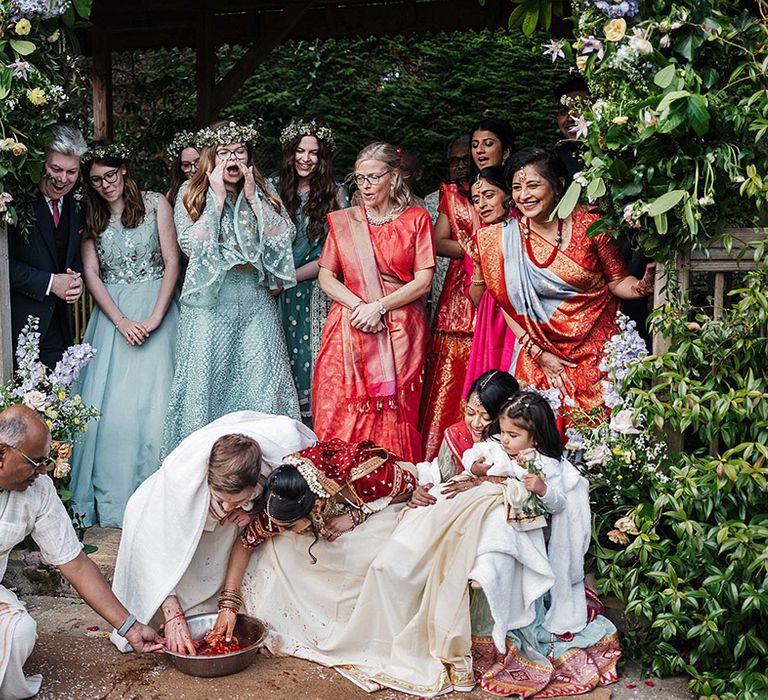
<point x="298" y="127"/>
<point x="229" y="133"/>
<point x="182" y="140"/>
<point x="106" y="150"/>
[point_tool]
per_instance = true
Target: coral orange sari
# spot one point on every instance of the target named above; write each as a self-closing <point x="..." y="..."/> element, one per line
<point x="452" y="331"/>
<point x="367" y="386"/>
<point x="565" y="306"/>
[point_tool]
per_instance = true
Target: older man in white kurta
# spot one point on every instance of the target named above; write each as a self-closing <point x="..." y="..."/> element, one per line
<point x="29" y="505"/>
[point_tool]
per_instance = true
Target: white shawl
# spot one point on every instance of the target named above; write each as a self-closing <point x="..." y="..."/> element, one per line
<point x="165" y="546"/>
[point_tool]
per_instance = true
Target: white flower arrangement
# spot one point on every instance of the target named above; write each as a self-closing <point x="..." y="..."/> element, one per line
<point x="106" y="150"/>
<point x="49" y="393"/>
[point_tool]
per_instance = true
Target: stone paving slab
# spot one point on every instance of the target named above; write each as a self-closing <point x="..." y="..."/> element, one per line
<point x="81" y="664"/>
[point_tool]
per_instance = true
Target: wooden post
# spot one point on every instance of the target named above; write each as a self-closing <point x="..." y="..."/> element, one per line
<point x="6" y="341"/>
<point x="102" y="86"/>
<point x="205" y="70"/>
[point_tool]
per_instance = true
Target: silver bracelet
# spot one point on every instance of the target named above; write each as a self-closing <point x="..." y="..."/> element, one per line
<point x="119" y="321"/>
<point x="129" y="621"/>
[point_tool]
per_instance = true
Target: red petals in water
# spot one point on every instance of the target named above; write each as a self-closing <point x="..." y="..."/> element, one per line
<point x="649" y="683"/>
<point x="93" y="628"/>
<point x="215" y="645"/>
<point x="631" y="686"/>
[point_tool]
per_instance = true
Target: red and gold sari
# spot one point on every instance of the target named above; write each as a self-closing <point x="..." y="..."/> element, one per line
<point x="452" y="330"/>
<point x="565" y="305"/>
<point x="360" y="476"/>
<point x="368" y="385"/>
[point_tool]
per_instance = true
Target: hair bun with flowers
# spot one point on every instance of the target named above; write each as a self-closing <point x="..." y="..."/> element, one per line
<point x="299" y="127"/>
<point x="227" y="133"/>
<point x="100" y="151"/>
<point x="182" y="140"/>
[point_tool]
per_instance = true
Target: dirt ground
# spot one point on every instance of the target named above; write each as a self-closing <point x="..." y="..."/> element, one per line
<point x="79" y="663"/>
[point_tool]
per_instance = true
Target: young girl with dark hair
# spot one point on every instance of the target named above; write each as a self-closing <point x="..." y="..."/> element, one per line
<point x="309" y="193"/>
<point x="485" y="397"/>
<point x="185" y="158"/>
<point x="131" y="264"/>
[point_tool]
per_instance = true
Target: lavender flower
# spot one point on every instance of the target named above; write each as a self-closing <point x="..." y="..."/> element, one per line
<point x="37" y="9"/>
<point x="555" y="49"/>
<point x="616" y="8"/>
<point x="68" y="368"/>
<point x="619" y="353"/>
<point x="21" y="69"/>
<point x="580" y="127"/>
<point x="590" y="44"/>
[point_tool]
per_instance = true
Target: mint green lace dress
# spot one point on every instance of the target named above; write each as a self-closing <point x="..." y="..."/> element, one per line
<point x="305" y="307"/>
<point x="231" y="349"/>
<point x="129" y="384"/>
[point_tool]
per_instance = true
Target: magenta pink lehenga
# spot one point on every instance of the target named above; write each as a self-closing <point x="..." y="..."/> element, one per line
<point x="493" y="344"/>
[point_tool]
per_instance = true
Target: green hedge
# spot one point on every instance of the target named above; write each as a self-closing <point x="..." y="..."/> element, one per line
<point x="416" y="91"/>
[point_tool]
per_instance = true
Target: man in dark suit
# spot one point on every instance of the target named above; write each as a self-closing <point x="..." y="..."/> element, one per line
<point x="45" y="262"/>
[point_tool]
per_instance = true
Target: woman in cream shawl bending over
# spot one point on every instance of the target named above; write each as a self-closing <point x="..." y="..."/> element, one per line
<point x="181" y="523"/>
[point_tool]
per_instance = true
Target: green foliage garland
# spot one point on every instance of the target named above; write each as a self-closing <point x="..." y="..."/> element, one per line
<point x="38" y="77"/>
<point x="674" y="126"/>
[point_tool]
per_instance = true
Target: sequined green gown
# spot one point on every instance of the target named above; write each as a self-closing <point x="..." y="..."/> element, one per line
<point x="231" y="349"/>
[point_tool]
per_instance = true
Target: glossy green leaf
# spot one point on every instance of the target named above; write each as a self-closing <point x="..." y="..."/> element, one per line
<point x="665" y="76"/>
<point x="666" y="202"/>
<point x="22" y="47"/>
<point x="568" y="202"/>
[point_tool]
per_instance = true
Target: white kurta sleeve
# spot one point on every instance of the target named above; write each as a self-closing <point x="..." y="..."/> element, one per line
<point x="53" y="529"/>
<point x="554" y="499"/>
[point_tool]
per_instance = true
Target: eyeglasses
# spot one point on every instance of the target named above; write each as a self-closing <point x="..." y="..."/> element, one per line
<point x="225" y="154"/>
<point x="37" y="464"/>
<point x="189" y="166"/>
<point x="370" y="179"/>
<point x="110" y="178"/>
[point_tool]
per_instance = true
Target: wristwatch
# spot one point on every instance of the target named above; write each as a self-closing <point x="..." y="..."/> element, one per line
<point x="382" y="308"/>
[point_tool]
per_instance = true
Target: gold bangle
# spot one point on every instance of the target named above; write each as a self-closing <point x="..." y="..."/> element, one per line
<point x="478" y="283"/>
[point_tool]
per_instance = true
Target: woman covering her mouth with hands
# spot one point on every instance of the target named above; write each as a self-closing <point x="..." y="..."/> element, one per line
<point x="231" y="349"/>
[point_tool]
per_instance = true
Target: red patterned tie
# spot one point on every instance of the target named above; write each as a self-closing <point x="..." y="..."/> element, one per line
<point x="55" y="211"/>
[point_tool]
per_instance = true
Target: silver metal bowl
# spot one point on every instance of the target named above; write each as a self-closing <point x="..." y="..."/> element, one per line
<point x="249" y="631"/>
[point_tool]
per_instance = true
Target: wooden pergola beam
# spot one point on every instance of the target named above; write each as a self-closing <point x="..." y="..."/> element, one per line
<point x="175" y="24"/>
<point x="205" y="70"/>
<point x="271" y="36"/>
<point x="103" y="127"/>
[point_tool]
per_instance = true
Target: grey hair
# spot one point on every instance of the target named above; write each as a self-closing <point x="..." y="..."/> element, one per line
<point x="12" y="429"/>
<point x="387" y="154"/>
<point x="462" y="140"/>
<point x="66" y="140"/>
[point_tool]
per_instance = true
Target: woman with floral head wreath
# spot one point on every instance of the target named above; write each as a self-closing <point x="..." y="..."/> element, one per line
<point x="131" y="265"/>
<point x="377" y="266"/>
<point x="231" y="349"/>
<point x="184" y="158"/>
<point x="308" y="193"/>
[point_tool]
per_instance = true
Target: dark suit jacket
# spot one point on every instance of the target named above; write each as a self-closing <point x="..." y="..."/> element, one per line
<point x="32" y="260"/>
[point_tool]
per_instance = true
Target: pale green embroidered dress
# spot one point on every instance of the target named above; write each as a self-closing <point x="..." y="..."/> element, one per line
<point x="231" y="349"/>
<point x="129" y="384"/>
